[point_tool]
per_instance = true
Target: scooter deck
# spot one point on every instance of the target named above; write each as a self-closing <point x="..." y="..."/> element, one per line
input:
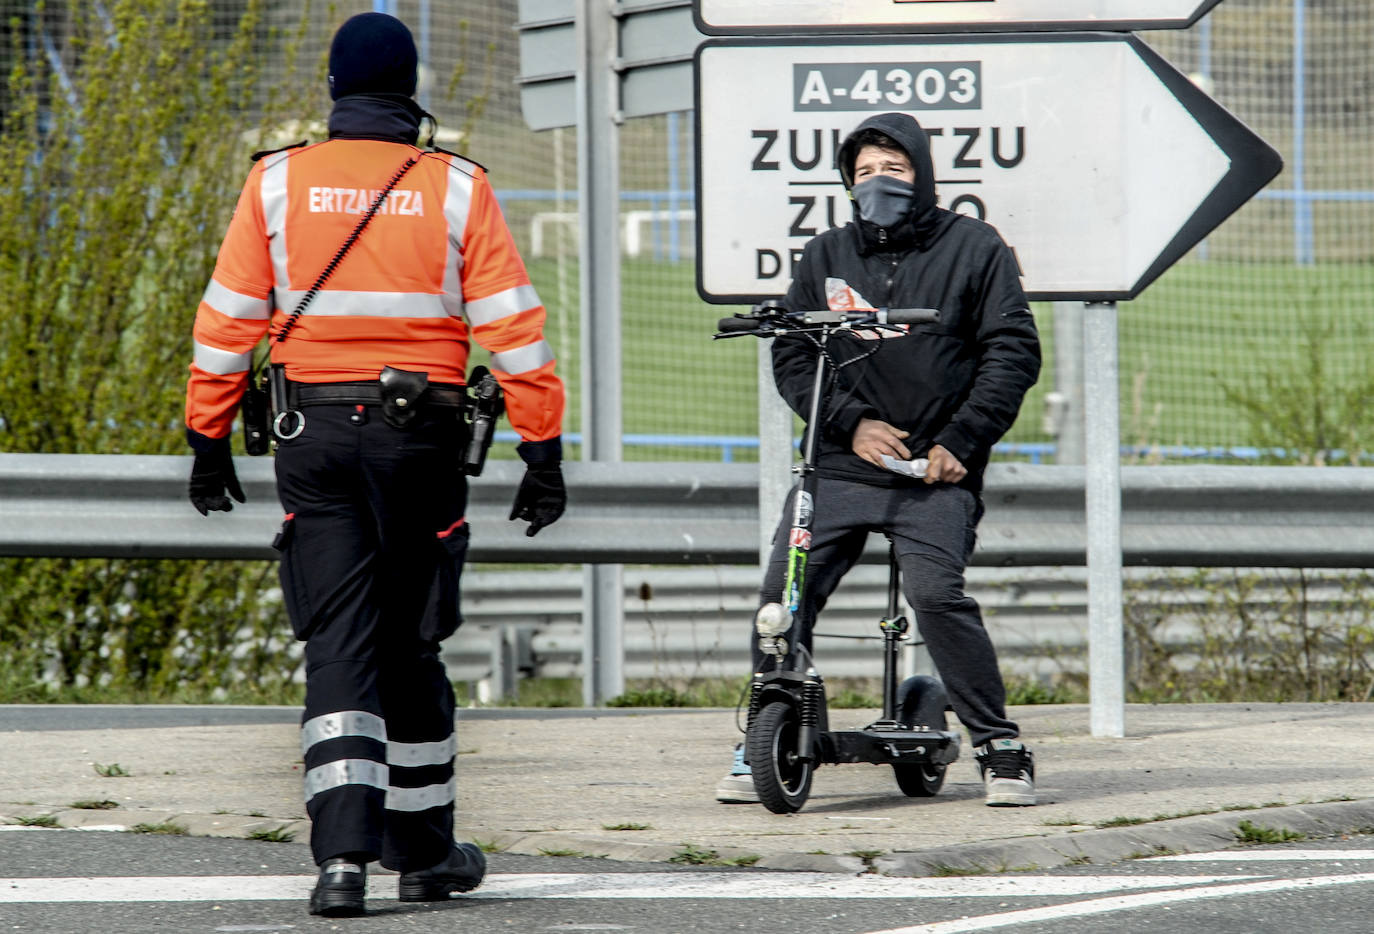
<point x="886" y="743"/>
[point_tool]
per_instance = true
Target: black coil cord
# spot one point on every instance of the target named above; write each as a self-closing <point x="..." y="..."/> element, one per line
<point x="294" y="318"/>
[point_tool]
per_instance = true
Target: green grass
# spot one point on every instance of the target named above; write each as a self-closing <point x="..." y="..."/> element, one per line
<point x="1198" y="329"/>
<point x="1247" y="832"/>
<point x="692" y="855"/>
<point x="574" y="854"/>
<point x="170" y="828"/>
<point x="15" y="691"/>
<point x="1032" y="691"/>
<point x="639" y="692"/>
<point x="42" y="820"/>
<point x="943" y="870"/>
<point x="841" y="693"/>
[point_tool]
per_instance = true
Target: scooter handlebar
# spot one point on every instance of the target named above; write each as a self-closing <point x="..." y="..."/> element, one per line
<point x="736" y="325"/>
<point x="772" y="319"/>
<point x="911" y="315"/>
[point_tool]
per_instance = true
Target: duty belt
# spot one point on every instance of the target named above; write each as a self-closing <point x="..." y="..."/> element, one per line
<point x="368" y="393"/>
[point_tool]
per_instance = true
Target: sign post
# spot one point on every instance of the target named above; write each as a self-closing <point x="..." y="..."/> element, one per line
<point x="1102" y="510"/>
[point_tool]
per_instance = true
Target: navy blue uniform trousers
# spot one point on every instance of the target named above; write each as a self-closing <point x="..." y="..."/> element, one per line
<point x="372" y="547"/>
<point x="933" y="528"/>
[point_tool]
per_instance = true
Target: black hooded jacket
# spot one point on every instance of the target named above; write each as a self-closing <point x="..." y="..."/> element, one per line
<point x="957" y="383"/>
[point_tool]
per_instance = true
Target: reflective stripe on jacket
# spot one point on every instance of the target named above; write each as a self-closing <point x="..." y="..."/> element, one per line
<point x="435" y="265"/>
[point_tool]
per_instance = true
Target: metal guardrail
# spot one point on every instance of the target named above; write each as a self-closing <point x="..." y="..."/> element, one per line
<point x="135" y="506"/>
<point x="685" y="623"/>
<point x="707" y="514"/>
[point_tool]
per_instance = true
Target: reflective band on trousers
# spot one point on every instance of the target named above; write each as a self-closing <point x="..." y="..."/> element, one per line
<point x="410" y="755"/>
<point x="373" y="774"/>
<point x="342" y="723"/>
<point x="345" y="772"/>
<point x="420" y="799"/>
<point x="361" y="723"/>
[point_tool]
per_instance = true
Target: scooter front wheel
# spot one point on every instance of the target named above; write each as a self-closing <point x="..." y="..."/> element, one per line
<point x="781" y="777"/>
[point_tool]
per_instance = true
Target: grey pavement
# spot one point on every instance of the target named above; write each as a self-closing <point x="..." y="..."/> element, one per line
<point x="638" y="785"/>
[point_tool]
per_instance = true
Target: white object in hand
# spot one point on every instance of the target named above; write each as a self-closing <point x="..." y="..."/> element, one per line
<point x="916" y="467"/>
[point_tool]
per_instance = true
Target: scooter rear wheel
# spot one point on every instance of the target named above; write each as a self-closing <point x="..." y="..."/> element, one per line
<point x="922" y="703"/>
<point x="781" y="778"/>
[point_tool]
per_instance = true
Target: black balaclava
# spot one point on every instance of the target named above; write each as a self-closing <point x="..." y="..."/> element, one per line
<point x="921" y="218"/>
<point x="372" y="76"/>
<point x="372" y="53"/>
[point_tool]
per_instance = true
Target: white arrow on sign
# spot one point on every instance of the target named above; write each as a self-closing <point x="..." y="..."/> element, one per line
<point x="793" y="17"/>
<point x="1097" y="161"/>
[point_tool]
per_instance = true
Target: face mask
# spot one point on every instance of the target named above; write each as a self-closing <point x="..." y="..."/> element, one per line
<point x="883" y="200"/>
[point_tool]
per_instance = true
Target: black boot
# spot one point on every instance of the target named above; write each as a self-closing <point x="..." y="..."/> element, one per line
<point x="461" y="872"/>
<point x="340" y="889"/>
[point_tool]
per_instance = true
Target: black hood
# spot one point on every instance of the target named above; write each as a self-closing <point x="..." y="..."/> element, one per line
<point x="922" y="224"/>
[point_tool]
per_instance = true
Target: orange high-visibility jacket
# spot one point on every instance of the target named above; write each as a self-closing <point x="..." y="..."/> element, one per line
<point x="435" y="264"/>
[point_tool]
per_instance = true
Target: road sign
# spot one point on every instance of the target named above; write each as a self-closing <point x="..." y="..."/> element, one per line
<point x="655" y="40"/>
<point x="1094" y="158"/>
<point x="796" y="17"/>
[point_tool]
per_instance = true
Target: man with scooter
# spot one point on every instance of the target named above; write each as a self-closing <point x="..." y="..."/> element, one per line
<point x="944" y="391"/>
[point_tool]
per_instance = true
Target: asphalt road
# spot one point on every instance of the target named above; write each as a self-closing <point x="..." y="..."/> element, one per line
<point x="61" y="881"/>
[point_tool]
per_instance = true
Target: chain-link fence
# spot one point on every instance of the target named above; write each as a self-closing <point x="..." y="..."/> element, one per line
<point x="1253" y="346"/>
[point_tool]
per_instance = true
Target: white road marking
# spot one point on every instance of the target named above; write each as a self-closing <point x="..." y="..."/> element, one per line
<point x="814" y="885"/>
<point x="1272" y="856"/>
<point x="1098" y="906"/>
<point x="118" y="827"/>
<point x="592" y="885"/>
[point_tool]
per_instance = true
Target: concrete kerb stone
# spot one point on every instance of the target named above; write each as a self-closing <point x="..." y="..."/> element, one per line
<point x="1197" y="834"/>
<point x="815" y="862"/>
<point x="198" y="825"/>
<point x="228" y="825"/>
<point x="554" y="843"/>
<point x="544" y="843"/>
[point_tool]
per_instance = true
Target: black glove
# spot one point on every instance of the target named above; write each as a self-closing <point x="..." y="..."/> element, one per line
<point x="212" y="474"/>
<point x="541" y="498"/>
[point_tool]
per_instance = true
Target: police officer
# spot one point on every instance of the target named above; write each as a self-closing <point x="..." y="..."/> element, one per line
<point x="369" y="444"/>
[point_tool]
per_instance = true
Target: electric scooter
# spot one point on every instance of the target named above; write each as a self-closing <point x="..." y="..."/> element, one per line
<point x="788" y="731"/>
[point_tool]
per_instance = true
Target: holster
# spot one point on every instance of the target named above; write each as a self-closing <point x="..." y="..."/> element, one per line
<point x="401" y="392"/>
<point x="484" y="404"/>
<point x="255" y="410"/>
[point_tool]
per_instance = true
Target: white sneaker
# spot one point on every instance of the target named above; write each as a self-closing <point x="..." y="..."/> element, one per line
<point x="738" y="786"/>
<point x="1008" y="771"/>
